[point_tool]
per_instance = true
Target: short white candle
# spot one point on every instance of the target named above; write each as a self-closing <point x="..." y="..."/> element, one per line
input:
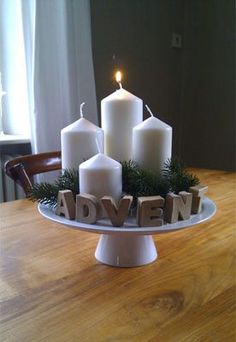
<point x="79" y="142"/>
<point x="101" y="176"/>
<point x="120" y="112"/>
<point x="152" y="144"/>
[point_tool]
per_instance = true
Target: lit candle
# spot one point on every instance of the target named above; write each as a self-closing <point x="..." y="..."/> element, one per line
<point x="79" y="142"/>
<point x="120" y="112"/>
<point x="101" y="176"/>
<point x="152" y="143"/>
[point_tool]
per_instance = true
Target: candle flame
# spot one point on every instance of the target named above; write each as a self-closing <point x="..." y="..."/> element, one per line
<point x="118" y="76"/>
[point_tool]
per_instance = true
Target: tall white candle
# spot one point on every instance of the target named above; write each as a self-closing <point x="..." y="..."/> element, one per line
<point x="120" y="112"/>
<point x="79" y="142"/>
<point x="101" y="176"/>
<point x="152" y="144"/>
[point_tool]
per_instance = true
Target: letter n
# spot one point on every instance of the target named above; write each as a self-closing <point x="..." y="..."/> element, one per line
<point x="178" y="206"/>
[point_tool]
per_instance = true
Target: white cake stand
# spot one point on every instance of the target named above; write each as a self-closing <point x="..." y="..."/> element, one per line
<point x="130" y="245"/>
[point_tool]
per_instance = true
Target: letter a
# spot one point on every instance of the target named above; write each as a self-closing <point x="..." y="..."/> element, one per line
<point x="66" y="204"/>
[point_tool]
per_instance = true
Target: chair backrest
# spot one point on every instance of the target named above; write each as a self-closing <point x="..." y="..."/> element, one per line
<point x="22" y="168"/>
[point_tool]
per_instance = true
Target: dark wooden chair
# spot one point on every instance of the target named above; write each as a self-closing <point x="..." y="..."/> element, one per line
<point x="23" y="168"/>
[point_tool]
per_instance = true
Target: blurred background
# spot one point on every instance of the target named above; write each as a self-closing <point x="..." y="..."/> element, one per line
<point x="179" y="57"/>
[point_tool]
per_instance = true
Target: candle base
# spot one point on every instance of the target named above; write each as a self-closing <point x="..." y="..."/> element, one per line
<point x="122" y="250"/>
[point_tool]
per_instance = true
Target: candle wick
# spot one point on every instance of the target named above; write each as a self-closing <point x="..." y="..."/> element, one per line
<point x="81" y="109"/>
<point x="149" y="110"/>
<point x="98" y="145"/>
<point x="120" y="85"/>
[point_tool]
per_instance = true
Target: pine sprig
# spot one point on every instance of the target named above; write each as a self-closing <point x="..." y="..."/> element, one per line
<point x="47" y="193"/>
<point x="140" y="182"/>
<point x="136" y="182"/>
<point x="68" y="180"/>
<point x="173" y="178"/>
<point x="177" y="176"/>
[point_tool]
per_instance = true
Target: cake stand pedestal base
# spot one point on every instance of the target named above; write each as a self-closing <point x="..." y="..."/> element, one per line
<point x="129" y="246"/>
<point x="126" y="250"/>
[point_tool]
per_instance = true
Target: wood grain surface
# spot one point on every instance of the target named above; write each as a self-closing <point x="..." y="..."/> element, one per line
<point x="52" y="288"/>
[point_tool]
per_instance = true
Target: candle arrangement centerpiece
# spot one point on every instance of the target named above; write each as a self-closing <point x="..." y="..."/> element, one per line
<point x="126" y="164"/>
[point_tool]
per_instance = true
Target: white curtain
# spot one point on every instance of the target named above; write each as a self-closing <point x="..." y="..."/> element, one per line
<point x="56" y="60"/>
<point x="15" y="119"/>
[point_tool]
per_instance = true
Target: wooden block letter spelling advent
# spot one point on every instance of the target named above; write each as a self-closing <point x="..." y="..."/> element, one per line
<point x="86" y="208"/>
<point x="178" y="206"/>
<point x="66" y="204"/>
<point x="149" y="211"/>
<point x="198" y="192"/>
<point x="116" y="214"/>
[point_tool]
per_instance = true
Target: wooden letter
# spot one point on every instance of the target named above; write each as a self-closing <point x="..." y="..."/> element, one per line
<point x="66" y="204"/>
<point x="178" y="206"/>
<point x="86" y="208"/>
<point x="116" y="214"/>
<point x="198" y="192"/>
<point x="149" y="211"/>
<point x="101" y="210"/>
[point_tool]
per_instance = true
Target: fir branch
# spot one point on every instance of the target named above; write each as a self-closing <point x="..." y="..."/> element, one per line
<point x="47" y="193"/>
<point x="173" y="178"/>
<point x="136" y="182"/>
<point x="68" y="180"/>
<point x="177" y="176"/>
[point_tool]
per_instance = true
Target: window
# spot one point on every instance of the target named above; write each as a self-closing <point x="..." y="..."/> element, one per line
<point x="15" y="104"/>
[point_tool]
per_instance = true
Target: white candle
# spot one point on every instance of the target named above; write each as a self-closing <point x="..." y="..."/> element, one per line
<point x="152" y="144"/>
<point x="101" y="176"/>
<point x="120" y="112"/>
<point x="79" y="142"/>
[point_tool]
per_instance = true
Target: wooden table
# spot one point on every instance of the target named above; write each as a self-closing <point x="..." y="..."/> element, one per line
<point x="52" y="288"/>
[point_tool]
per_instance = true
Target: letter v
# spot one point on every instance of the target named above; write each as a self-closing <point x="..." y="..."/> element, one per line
<point x="116" y="214"/>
